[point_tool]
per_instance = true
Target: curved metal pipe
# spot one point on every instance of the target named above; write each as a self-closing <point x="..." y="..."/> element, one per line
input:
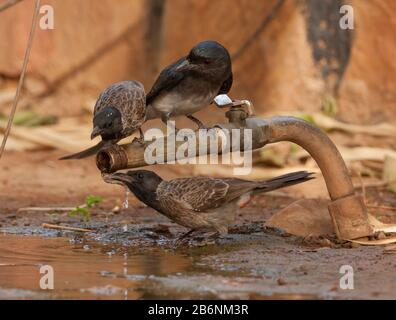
<point x="319" y="146"/>
<point x="347" y="210"/>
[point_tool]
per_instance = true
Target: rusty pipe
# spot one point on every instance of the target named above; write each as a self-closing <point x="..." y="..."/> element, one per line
<point x="348" y="212"/>
<point x="319" y="146"/>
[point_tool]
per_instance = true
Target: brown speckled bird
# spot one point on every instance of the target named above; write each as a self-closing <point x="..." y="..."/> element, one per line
<point x="199" y="203"/>
<point x="120" y="110"/>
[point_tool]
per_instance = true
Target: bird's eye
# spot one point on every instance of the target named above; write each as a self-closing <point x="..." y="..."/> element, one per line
<point x="140" y="176"/>
<point x="191" y="57"/>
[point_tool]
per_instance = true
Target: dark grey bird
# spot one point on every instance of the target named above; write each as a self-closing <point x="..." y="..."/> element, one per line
<point x="200" y="203"/>
<point x="120" y="110"/>
<point x="191" y="83"/>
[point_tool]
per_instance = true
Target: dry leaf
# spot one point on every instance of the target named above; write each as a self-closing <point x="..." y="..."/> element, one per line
<point x="307" y="217"/>
<point x="380" y="242"/>
<point x="379" y="226"/>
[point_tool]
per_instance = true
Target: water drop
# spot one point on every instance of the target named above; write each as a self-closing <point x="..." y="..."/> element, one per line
<point x="126" y="203"/>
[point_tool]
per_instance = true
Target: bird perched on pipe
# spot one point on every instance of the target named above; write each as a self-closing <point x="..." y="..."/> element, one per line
<point x="199" y="203"/>
<point x="191" y="83"/>
<point x="120" y="110"/>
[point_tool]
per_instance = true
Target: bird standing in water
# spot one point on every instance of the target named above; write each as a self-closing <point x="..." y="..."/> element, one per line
<point x="199" y="203"/>
<point x="120" y="110"/>
<point x="191" y="83"/>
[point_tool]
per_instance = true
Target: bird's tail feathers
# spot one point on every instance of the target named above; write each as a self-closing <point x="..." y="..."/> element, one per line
<point x="285" y="180"/>
<point x="86" y="153"/>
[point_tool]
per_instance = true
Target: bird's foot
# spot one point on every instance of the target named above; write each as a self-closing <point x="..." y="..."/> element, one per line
<point x="197" y="122"/>
<point x="201" y="126"/>
<point x="171" y="130"/>
<point x="184" y="238"/>
<point x="195" y="238"/>
<point x="139" y="140"/>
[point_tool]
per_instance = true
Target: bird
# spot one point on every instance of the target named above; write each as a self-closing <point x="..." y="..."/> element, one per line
<point x="199" y="203"/>
<point x="191" y="83"/>
<point x="120" y="110"/>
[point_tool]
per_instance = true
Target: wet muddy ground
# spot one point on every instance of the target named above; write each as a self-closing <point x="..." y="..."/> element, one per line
<point x="138" y="258"/>
<point x="132" y="253"/>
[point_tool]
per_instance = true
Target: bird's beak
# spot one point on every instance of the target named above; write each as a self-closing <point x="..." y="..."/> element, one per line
<point x="184" y="65"/>
<point x="118" y="178"/>
<point x="95" y="132"/>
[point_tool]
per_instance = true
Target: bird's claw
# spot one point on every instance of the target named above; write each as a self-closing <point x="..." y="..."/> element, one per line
<point x="197" y="122"/>
<point x="202" y="126"/>
<point x="139" y="140"/>
<point x="198" y="240"/>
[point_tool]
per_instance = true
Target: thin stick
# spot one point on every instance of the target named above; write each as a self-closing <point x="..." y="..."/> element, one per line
<point x="54" y="226"/>
<point x="22" y="77"/>
<point x="89" y="60"/>
<point x="45" y="209"/>
<point x="267" y="19"/>
<point x="374" y="184"/>
<point x="8" y="3"/>
<point x="381" y="207"/>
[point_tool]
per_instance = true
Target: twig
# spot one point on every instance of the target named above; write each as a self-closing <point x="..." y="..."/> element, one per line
<point x="8" y="3"/>
<point x="381" y="207"/>
<point x="374" y="184"/>
<point x="22" y="77"/>
<point x="328" y="123"/>
<point x="47" y="137"/>
<point x="46" y="209"/>
<point x="267" y="19"/>
<point x="54" y="226"/>
<point x="89" y="60"/>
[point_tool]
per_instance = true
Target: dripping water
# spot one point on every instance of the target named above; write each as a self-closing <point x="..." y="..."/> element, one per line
<point x="126" y="203"/>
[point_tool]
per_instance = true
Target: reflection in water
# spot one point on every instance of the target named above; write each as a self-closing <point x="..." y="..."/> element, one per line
<point x="85" y="271"/>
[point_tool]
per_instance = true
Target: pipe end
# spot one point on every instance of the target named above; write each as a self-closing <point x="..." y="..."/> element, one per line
<point x="111" y="158"/>
<point x="350" y="219"/>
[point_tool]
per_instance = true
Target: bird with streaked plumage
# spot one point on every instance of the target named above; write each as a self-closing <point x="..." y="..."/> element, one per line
<point x="120" y="111"/>
<point x="199" y="203"/>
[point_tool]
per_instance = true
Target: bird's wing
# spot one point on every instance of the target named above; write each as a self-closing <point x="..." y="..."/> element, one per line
<point x="238" y="187"/>
<point x="196" y="194"/>
<point x="120" y="95"/>
<point x="202" y="194"/>
<point x="129" y="98"/>
<point x="168" y="79"/>
<point x="226" y="86"/>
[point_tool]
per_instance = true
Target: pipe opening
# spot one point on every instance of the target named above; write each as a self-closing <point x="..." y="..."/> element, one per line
<point x="103" y="161"/>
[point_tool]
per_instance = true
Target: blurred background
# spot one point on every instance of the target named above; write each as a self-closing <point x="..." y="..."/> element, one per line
<point x="289" y="57"/>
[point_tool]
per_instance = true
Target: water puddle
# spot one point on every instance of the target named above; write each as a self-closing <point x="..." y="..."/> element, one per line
<point x="81" y="270"/>
<point x="85" y="269"/>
